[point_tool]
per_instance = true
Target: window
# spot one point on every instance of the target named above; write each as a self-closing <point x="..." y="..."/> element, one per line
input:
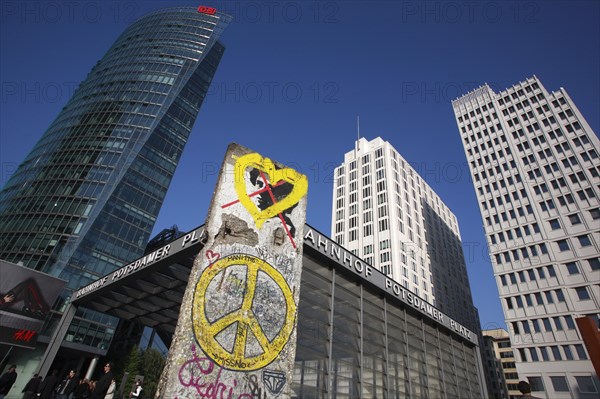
<point x="581" y="352"/>
<point x="536" y="384"/>
<point x="352" y="235"/>
<point x="563" y="245"/>
<point x="594" y="264"/>
<point x="547" y="325"/>
<point x="554" y="224"/>
<point x="534" y="356"/>
<point x="557" y="323"/>
<point x="574" y="219"/>
<point x="559" y="383"/>
<point x="544" y="352"/>
<point x="585" y="384"/>
<point x="509" y="303"/>
<point x="568" y="352"/>
<point x="556" y="353"/>
<point x="519" y="301"/>
<point x="584" y="240"/>
<point x="538" y="298"/>
<point x="572" y="268"/>
<point x="582" y="293"/>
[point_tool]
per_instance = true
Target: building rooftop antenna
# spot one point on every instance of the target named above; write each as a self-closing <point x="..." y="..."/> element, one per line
<point x="357" y="132"/>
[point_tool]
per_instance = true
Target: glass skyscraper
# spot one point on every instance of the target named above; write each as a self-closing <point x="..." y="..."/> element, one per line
<point x="86" y="198"/>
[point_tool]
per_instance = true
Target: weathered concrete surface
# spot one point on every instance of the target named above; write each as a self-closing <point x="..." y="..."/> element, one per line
<point x="236" y="334"/>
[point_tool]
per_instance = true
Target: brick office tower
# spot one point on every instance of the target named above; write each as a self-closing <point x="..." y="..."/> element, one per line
<point x="85" y="199"/>
<point x="536" y="173"/>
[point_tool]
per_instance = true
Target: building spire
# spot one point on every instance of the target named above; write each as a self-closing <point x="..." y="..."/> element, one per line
<point x="357" y="132"/>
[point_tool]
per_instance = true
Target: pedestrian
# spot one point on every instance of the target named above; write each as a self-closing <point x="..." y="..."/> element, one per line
<point x="525" y="389"/>
<point x="49" y="385"/>
<point x="67" y="386"/>
<point x="7" y="380"/>
<point x="32" y="388"/>
<point x="136" y="391"/>
<point x="104" y="382"/>
<point x="111" y="390"/>
<point x="92" y="385"/>
<point x="83" y="389"/>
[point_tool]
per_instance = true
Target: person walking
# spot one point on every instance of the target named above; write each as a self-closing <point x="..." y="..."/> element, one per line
<point x="49" y="385"/>
<point x="7" y="380"/>
<point x="104" y="382"/>
<point x="67" y="386"/>
<point x="32" y="388"/>
<point x="111" y="390"/>
<point x="83" y="389"/>
<point x="136" y="391"/>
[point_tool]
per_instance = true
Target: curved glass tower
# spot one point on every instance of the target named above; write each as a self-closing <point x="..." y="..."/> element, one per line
<point x="85" y="200"/>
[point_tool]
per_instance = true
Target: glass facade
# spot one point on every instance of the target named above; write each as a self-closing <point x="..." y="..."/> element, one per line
<point x="355" y="342"/>
<point x="84" y="201"/>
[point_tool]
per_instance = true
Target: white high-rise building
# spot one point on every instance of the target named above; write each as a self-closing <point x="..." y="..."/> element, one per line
<point x="385" y="213"/>
<point x="536" y="173"/>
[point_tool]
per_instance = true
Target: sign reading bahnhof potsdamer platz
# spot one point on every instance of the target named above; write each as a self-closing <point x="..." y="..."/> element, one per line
<point x="360" y="334"/>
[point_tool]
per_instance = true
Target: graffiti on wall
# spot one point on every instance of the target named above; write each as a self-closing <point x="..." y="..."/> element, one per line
<point x="268" y="192"/>
<point x="239" y="313"/>
<point x="242" y="332"/>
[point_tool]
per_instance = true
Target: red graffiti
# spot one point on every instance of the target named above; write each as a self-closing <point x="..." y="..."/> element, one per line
<point x="212" y="256"/>
<point x="24" y="335"/>
<point x="193" y="373"/>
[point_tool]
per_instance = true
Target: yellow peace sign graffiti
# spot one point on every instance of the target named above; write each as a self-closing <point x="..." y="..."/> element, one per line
<point x="206" y="331"/>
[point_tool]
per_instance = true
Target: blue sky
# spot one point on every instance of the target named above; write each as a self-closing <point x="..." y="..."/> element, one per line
<point x="296" y="74"/>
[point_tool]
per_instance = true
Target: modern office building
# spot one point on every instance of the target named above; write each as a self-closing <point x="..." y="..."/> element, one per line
<point x="535" y="168"/>
<point x="502" y="377"/>
<point x="360" y="334"/>
<point x="84" y="201"/>
<point x="384" y="212"/>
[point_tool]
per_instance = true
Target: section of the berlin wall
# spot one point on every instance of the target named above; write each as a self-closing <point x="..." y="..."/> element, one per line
<point x="236" y="333"/>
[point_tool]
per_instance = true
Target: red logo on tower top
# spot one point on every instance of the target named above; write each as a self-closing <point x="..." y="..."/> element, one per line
<point x="207" y="10"/>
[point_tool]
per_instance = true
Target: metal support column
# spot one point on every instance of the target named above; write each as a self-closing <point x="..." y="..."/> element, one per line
<point x="91" y="368"/>
<point x="57" y="339"/>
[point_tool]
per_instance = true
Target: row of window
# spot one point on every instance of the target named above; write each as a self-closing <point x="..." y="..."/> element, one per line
<point x="572" y="268"/>
<point x="511" y="278"/>
<point x="582" y="292"/>
<point x="502" y="183"/>
<point x="550" y="295"/>
<point x="525" y="253"/>
<point x="585" y="384"/>
<point x="511" y="214"/>
<point x="509" y="166"/>
<point x="553" y="353"/>
<point x="517" y="232"/>
<point x="582" y="240"/>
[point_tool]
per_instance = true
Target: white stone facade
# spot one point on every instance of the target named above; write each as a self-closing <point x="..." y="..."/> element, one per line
<point x="536" y="172"/>
<point x="385" y="213"/>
